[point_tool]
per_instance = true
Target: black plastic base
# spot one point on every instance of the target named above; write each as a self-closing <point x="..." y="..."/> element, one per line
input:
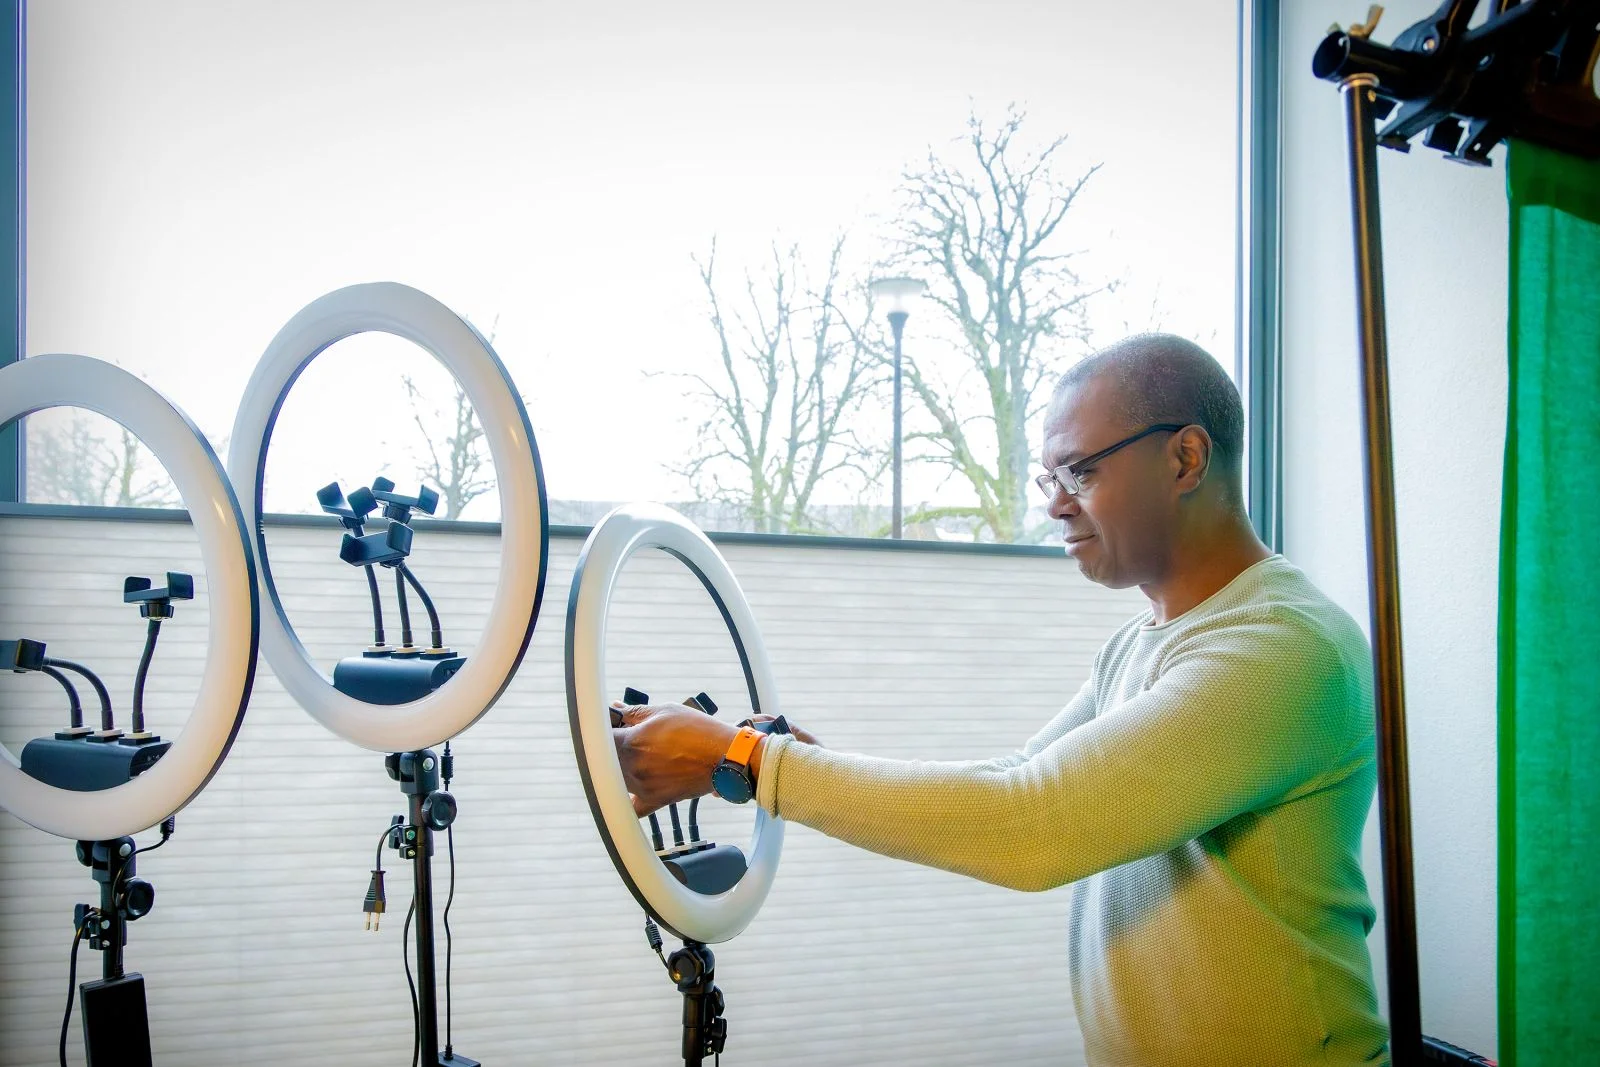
<point x="116" y="1030"/>
<point x="87" y="765"/>
<point x="707" y="870"/>
<point x="393" y="679"/>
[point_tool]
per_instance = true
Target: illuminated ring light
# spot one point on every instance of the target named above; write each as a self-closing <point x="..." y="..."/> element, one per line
<point x="688" y="914"/>
<point x="30" y="385"/>
<point x="387" y="307"/>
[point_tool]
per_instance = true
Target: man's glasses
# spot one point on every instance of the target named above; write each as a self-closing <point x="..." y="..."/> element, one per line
<point x="1065" y="478"/>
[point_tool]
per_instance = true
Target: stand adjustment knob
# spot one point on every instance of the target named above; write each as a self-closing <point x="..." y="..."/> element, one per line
<point x="439" y="811"/>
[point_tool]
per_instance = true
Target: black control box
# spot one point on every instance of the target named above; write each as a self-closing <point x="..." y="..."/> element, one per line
<point x="116" y="1029"/>
<point x="87" y="764"/>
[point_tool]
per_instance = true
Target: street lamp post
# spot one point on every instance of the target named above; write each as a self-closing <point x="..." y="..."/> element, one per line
<point x="899" y="292"/>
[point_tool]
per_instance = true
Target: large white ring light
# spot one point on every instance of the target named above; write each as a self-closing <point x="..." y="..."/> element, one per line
<point x="387" y="307"/>
<point x="692" y="916"/>
<point x="78" y="381"/>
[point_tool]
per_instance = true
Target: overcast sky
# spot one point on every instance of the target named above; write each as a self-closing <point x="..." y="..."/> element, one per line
<point x="198" y="171"/>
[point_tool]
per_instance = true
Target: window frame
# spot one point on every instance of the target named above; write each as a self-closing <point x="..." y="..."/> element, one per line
<point x="1257" y="344"/>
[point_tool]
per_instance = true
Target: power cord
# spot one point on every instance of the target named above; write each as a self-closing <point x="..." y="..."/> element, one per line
<point x="376" y="902"/>
<point x="447" y="770"/>
<point x="72" y="990"/>
<point x="168" y="825"/>
<point x="652" y="934"/>
<point x="416" y="1009"/>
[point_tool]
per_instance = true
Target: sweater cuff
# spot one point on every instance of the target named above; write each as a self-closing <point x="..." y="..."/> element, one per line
<point x="767" y="780"/>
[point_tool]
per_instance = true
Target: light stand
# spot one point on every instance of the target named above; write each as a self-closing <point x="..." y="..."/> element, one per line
<point x="1525" y="71"/>
<point x="385" y="674"/>
<point x="430" y="809"/>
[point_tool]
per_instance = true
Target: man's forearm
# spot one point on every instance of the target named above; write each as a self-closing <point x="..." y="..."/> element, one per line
<point x="972" y="817"/>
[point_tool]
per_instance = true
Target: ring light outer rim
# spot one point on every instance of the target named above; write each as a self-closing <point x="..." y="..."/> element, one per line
<point x="401" y="311"/>
<point x="616" y="538"/>
<point x="233" y="606"/>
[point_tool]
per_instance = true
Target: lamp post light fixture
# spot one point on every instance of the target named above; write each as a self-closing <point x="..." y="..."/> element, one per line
<point x="899" y="292"/>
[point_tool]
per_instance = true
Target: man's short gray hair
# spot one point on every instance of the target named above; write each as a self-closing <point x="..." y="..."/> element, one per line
<point x="1160" y="377"/>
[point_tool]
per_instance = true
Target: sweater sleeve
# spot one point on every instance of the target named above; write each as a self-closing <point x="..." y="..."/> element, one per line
<point x="1236" y="720"/>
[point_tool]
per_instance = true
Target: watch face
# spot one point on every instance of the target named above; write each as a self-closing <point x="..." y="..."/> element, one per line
<point x="730" y="783"/>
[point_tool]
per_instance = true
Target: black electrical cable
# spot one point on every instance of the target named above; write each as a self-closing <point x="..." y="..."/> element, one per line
<point x="168" y="825"/>
<point x="427" y="602"/>
<point x="450" y="842"/>
<point x="416" y="1009"/>
<point x="677" y="827"/>
<point x="377" y="606"/>
<point x="447" y="770"/>
<point x="150" y="634"/>
<point x="106" y="721"/>
<point x="75" y="710"/>
<point x="405" y="610"/>
<point x="72" y="990"/>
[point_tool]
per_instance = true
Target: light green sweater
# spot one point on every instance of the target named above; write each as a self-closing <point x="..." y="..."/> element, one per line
<point x="1204" y="794"/>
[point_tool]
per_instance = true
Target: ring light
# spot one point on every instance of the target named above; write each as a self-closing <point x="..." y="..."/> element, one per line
<point x="387" y="307"/>
<point x="688" y="914"/>
<point x="30" y="385"/>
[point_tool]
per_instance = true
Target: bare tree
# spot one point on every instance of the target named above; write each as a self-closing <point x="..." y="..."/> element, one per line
<point x="985" y="232"/>
<point x="793" y="368"/>
<point x="74" y="464"/>
<point x="459" y="464"/>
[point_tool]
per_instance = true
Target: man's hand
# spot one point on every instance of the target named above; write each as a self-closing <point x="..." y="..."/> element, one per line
<point x="668" y="751"/>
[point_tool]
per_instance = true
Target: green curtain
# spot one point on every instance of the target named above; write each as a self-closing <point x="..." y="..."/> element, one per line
<point x="1549" y="692"/>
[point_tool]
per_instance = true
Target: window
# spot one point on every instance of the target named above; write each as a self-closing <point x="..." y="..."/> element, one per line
<point x="619" y="199"/>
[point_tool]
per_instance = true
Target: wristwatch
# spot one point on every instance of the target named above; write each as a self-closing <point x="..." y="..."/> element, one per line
<point x="731" y="779"/>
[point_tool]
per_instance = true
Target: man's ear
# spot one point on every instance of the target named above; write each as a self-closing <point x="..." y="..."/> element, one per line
<point x="1192" y="448"/>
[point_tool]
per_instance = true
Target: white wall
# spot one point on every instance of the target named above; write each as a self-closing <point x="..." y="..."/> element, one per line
<point x="1444" y="230"/>
<point x="255" y="951"/>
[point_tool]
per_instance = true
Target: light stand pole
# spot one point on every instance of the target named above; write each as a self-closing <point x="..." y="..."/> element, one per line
<point x="899" y="291"/>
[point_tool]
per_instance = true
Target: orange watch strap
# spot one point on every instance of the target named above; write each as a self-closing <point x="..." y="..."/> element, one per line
<point x="743" y="745"/>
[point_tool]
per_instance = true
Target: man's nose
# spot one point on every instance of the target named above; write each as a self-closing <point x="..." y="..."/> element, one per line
<point x="1063" y="505"/>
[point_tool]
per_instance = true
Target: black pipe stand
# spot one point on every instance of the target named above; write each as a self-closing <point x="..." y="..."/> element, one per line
<point x="705" y="1031"/>
<point x="429" y="808"/>
<point x="1383" y="573"/>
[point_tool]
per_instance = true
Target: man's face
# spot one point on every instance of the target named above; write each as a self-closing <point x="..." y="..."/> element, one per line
<point x="1119" y="526"/>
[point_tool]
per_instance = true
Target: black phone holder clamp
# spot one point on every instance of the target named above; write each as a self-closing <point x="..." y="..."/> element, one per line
<point x="397" y="507"/>
<point x="156" y="602"/>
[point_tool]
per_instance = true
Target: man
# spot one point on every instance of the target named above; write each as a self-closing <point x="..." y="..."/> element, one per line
<point x="1205" y="791"/>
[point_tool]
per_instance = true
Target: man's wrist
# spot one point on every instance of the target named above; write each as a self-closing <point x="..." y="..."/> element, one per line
<point x="755" y="759"/>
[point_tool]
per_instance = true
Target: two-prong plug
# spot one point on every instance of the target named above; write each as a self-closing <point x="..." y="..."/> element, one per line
<point x="375" y="902"/>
